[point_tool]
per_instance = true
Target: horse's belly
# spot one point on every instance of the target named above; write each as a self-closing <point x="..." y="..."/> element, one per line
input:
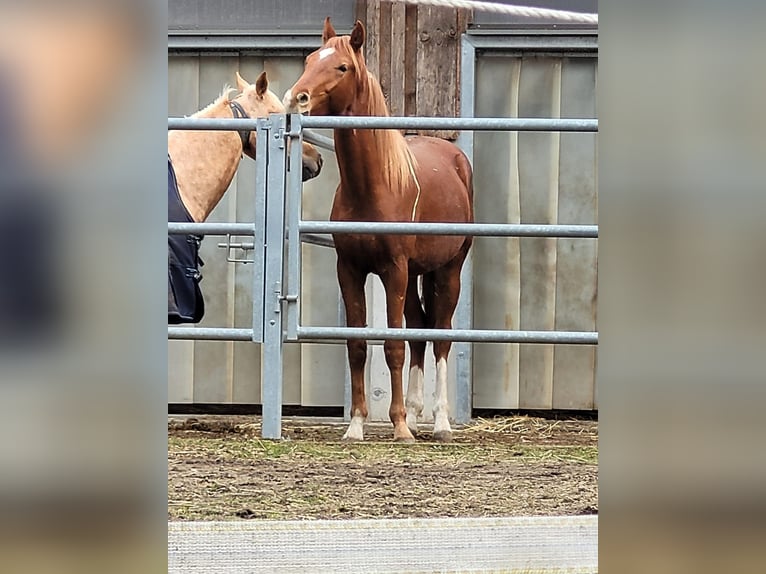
<point x="434" y="251"/>
<point x="375" y="253"/>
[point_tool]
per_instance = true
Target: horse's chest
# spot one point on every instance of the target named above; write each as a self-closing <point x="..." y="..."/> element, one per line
<point x="370" y="252"/>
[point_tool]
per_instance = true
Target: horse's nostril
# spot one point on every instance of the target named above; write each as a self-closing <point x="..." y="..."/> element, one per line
<point x="303" y="98"/>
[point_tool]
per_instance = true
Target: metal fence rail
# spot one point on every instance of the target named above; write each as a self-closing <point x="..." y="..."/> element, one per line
<point x="462" y="335"/>
<point x="397" y="122"/>
<point x="212" y="228"/>
<point x="475" y="229"/>
<point x="210" y="334"/>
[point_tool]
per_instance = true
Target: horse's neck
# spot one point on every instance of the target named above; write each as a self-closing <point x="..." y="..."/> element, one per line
<point x="359" y="156"/>
<point x="205" y="162"/>
<point x="358" y="161"/>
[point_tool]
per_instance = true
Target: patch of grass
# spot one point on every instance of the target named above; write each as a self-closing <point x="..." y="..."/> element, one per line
<point x="255" y="448"/>
<point x="583" y="454"/>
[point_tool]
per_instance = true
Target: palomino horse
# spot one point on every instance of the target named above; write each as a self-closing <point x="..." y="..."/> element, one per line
<point x="385" y="177"/>
<point x="201" y="165"/>
<point x="205" y="161"/>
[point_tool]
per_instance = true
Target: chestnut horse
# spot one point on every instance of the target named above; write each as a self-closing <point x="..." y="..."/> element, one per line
<point x="385" y="177"/>
<point x="205" y="161"/>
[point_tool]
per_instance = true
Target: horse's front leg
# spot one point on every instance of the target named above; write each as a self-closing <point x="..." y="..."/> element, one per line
<point x="352" y="288"/>
<point x="395" y="283"/>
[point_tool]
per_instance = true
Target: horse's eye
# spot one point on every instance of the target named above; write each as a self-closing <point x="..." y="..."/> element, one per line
<point x="343" y="68"/>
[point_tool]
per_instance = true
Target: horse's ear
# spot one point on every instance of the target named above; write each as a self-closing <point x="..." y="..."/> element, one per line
<point x="261" y="84"/>
<point x="357" y="36"/>
<point x="328" y="32"/>
<point x="242" y="83"/>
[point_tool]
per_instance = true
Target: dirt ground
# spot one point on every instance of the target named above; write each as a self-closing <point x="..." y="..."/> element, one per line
<point x="220" y="469"/>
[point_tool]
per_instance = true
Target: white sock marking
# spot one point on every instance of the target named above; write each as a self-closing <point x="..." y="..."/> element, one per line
<point x="441" y="402"/>
<point x="356" y="428"/>
<point x="414" y="401"/>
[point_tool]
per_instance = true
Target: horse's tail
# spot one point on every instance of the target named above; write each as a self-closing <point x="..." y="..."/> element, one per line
<point x="465" y="171"/>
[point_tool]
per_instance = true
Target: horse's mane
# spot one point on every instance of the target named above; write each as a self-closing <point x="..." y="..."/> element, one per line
<point x="223" y="99"/>
<point x="391" y="147"/>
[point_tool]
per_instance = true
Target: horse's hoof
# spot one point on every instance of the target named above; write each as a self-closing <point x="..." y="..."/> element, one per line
<point x="405" y="439"/>
<point x="347" y="438"/>
<point x="443" y="436"/>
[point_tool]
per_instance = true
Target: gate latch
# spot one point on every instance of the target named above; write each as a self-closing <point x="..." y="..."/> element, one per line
<point x="230" y="246"/>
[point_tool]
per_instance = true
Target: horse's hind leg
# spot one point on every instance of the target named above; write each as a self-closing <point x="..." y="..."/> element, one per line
<point x="352" y="288"/>
<point x="441" y="290"/>
<point x="416" y="319"/>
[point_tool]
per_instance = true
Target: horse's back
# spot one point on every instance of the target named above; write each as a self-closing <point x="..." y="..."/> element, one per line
<point x="445" y="175"/>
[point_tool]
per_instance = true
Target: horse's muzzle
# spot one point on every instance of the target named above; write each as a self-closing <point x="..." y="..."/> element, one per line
<point x="312" y="167"/>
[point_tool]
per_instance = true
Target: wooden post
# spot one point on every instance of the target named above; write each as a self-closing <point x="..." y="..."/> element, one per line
<point x="414" y="51"/>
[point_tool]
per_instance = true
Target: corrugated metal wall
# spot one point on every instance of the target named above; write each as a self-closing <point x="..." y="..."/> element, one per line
<point x="519" y="283"/>
<point x="535" y="283"/>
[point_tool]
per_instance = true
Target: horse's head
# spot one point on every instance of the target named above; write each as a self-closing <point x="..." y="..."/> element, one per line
<point x="259" y="101"/>
<point x="333" y="75"/>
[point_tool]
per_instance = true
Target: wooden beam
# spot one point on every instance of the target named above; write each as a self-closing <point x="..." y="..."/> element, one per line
<point x="398" y="69"/>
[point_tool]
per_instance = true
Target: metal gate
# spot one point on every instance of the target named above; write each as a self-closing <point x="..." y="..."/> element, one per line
<point x="278" y="230"/>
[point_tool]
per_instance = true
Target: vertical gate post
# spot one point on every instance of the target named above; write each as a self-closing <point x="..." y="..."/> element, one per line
<point x="293" y="211"/>
<point x="271" y="366"/>
<point x="259" y="227"/>
<point x="464" y="311"/>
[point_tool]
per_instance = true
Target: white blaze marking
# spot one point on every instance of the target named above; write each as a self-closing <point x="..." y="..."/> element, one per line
<point x="441" y="402"/>
<point x="326" y="52"/>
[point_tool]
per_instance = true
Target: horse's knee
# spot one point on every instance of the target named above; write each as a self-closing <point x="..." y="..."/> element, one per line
<point x="394" y="351"/>
<point x="357" y="352"/>
<point x="442" y="349"/>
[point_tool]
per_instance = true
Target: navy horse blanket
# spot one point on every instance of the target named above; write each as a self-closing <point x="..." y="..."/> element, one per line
<point x="185" y="303"/>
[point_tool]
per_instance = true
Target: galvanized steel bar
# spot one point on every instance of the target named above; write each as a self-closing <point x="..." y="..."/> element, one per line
<point x="243" y="245"/>
<point x="462" y="351"/>
<point x="477" y="124"/>
<point x="320" y="240"/>
<point x="397" y="122"/>
<point x="259" y="227"/>
<point x="213" y="124"/>
<point x="475" y="229"/>
<point x="271" y="365"/>
<point x="318" y="139"/>
<point x="210" y="228"/>
<point x="294" y="188"/>
<point x="209" y="334"/>
<point x="467" y="335"/>
<point x="467" y="73"/>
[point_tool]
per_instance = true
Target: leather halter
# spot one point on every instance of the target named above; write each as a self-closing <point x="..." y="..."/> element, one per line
<point x="239" y="113"/>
